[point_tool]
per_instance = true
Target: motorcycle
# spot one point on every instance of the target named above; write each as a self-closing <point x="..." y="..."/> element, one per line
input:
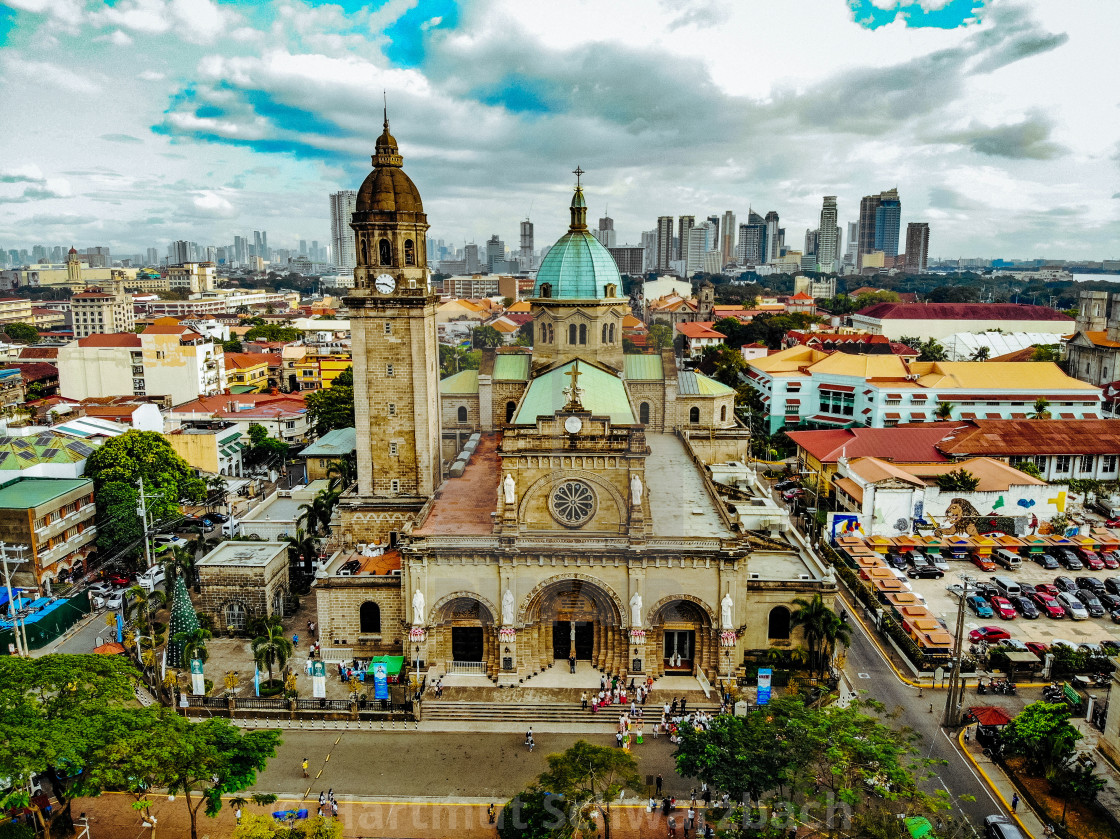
<point x="981" y="688"/>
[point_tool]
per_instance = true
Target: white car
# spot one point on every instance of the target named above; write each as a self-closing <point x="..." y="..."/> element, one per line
<point x="1074" y="607"/>
<point x="112" y="600"/>
<point x="170" y="539"/>
<point x="1054" y="642"/>
<point x="99" y="590"/>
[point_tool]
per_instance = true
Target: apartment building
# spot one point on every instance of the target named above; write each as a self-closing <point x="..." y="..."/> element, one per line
<point x="55" y="518"/>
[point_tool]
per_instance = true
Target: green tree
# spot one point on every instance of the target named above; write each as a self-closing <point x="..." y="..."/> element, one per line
<point x="1047" y="352"/>
<point x="155" y="748"/>
<point x="452" y="359"/>
<point x="266" y="827"/>
<point x="590" y="778"/>
<point x="1041" y="408"/>
<point x="233" y="345"/>
<point x="742" y="755"/>
<point x="486" y="336"/>
<point x="957" y="480"/>
<point x="1041" y="733"/>
<point x="931" y="350"/>
<point x="532" y="814"/>
<point x="141" y="604"/>
<point x="1029" y="467"/>
<point x="21" y="333"/>
<point x="660" y="337"/>
<point x="823" y="631"/>
<point x="332" y="407"/>
<point x="263" y="448"/>
<point x="302" y="549"/>
<point x="273" y="332"/>
<point x="944" y="411"/>
<point x="115" y="468"/>
<point x="272" y="647"/>
<point x="342" y="473"/>
<point x="981" y="354"/>
<point x="194" y="644"/>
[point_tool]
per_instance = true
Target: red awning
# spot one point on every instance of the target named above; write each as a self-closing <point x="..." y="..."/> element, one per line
<point x="793" y="402"/>
<point x="919" y="397"/>
<point x="1068" y="416"/>
<point x="968" y="416"/>
<point x="917" y="416"/>
<point x="894" y="396"/>
<point x="989" y="715"/>
<point x="841" y="388"/>
<point x="993" y="416"/>
<point x="866" y="411"/>
<point x="893" y="416"/>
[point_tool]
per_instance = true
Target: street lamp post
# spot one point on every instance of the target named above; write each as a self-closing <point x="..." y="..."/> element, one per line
<point x="952" y="701"/>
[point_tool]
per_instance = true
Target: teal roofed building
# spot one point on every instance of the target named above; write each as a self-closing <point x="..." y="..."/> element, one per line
<point x="578" y="267"/>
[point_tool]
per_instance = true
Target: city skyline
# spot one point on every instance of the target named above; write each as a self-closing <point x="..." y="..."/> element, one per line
<point x="241" y="117"/>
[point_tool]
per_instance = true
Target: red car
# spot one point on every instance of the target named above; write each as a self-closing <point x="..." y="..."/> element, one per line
<point x="1002" y="607"/>
<point x="1092" y="560"/>
<point x="983" y="563"/>
<point x="1038" y="648"/>
<point x="118" y="580"/>
<point x="1112" y="523"/>
<point x="1048" y="605"/>
<point x="1110" y="559"/>
<point x="989" y="634"/>
<point x="1047" y="588"/>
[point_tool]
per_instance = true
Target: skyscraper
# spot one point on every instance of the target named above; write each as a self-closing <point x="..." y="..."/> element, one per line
<point x="888" y="219"/>
<point x="342" y="237"/>
<point x="605" y="234"/>
<point x="526" y="255"/>
<point x="917" y="246"/>
<point x="470" y="254"/>
<point x="811" y="238"/>
<point x="495" y="254"/>
<point x="773" y="238"/>
<point x="684" y="224"/>
<point x="664" y="242"/>
<point x="649" y="250"/>
<point x="828" y="237"/>
<point x="694" y="246"/>
<point x="727" y="237"/>
<point x="852" y="253"/>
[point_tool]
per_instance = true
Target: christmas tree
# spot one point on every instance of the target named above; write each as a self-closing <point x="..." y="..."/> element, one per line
<point x="183" y="621"/>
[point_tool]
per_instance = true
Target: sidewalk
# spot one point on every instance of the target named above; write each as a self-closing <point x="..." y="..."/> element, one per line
<point x="1001" y="785"/>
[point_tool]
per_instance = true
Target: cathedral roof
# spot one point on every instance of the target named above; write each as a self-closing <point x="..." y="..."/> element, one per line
<point x="603" y="394"/>
<point x="578" y="267"/>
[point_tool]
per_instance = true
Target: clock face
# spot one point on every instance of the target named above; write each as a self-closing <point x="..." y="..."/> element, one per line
<point x="573" y="424"/>
<point x="384" y="283"/>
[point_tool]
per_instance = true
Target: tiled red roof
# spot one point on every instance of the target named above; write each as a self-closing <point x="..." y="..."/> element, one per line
<point x="698" y="329"/>
<point x="1002" y="438"/>
<point x="38" y="352"/>
<point x="962" y="311"/>
<point x="914" y="444"/>
<point x="116" y="339"/>
<point x="35" y="371"/>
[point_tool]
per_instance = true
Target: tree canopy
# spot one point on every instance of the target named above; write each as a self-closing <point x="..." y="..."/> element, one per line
<point x="263" y="448"/>
<point x="332" y="407"/>
<point x="486" y="336"/>
<point x="273" y="332"/>
<point x="589" y="778"/>
<point x="957" y="480"/>
<point x="22" y="333"/>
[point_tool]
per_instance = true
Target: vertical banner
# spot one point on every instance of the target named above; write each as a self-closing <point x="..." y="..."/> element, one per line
<point x="256" y="681"/>
<point x="764" y="686"/>
<point x="120" y="629"/>
<point x="380" y="681"/>
<point x="198" y="683"/>
<point x="318" y="679"/>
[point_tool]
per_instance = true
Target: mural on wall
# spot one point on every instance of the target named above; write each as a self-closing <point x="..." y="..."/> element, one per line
<point x="844" y="524"/>
<point x="961" y="518"/>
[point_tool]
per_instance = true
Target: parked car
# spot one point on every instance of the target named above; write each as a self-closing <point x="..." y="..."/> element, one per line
<point x="1046" y="588"/>
<point x="1110" y="647"/>
<point x="1074" y="607"/>
<point x="896" y="560"/>
<point x="150" y="579"/>
<point x="986" y="590"/>
<point x="1092" y="559"/>
<point x="101" y="590"/>
<point x="1111" y="602"/>
<point x="1092" y="605"/>
<point x="1013" y="645"/>
<point x="1048" y="605"/>
<point x="1062" y="642"/>
<point x="1112" y="584"/>
<point x="1001" y="827"/>
<point x="169" y="539"/>
<point x="1038" y="648"/>
<point x="788" y="483"/>
<point x="979" y="606"/>
<point x="1093" y="584"/>
<point x="923" y="572"/>
<point x="1026" y="589"/>
<point x="1003" y="608"/>
<point x="1025" y="607"/>
<point x="1046" y="561"/>
<point x="1113" y="522"/>
<point x="196" y="521"/>
<point x="220" y="518"/>
<point x="119" y="579"/>
<point x="1111" y="559"/>
<point x="1115" y="616"/>
<point x="791" y="494"/>
<point x="983" y="563"/>
<point x="1065" y="584"/>
<point x="1069" y="560"/>
<point x="989" y="634"/>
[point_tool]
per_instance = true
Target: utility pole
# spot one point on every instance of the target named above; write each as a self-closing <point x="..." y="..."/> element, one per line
<point x="142" y="511"/>
<point x="21" y="640"/>
<point x="952" y="718"/>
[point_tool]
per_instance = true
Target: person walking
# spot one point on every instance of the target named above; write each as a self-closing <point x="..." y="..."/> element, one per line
<point x="531" y="743"/>
<point x="659" y="782"/>
<point x="305" y="765"/>
<point x="672" y="827"/>
<point x="334" y="809"/>
<point x="295" y="641"/>
<point x="1014" y="801"/>
<point x="237" y="813"/>
<point x="490" y="813"/>
<point x="583" y="700"/>
<point x="572" y="662"/>
<point x="529" y="735"/>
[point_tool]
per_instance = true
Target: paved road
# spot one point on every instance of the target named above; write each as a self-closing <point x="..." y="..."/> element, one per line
<point x="869" y="671"/>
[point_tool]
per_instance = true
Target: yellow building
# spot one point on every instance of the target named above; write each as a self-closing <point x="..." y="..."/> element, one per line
<point x="315" y="372"/>
<point x="247" y="372"/>
<point x="211" y="447"/>
<point x="15" y="310"/>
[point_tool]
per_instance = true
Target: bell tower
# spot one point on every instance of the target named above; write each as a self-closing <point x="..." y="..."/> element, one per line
<point x="393" y="332"/>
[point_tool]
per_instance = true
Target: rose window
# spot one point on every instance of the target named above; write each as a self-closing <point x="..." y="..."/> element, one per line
<point x="572" y="503"/>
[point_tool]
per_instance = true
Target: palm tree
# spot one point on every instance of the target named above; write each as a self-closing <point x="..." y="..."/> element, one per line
<point x="302" y="549"/>
<point x="180" y="562"/>
<point x="142" y="603"/>
<point x="343" y="474"/>
<point x="823" y="630"/>
<point x="271" y="648"/>
<point x="194" y="644"/>
<point x="216" y="491"/>
<point x="944" y="411"/>
<point x="1041" y="406"/>
<point x="981" y="354"/>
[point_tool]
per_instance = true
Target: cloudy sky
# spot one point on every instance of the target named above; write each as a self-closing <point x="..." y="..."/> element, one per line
<point x="134" y="122"/>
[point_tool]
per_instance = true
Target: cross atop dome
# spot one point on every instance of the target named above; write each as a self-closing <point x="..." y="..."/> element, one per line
<point x="577" y="172"/>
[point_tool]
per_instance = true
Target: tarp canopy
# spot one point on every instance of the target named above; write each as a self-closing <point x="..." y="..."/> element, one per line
<point x="989" y="715"/>
<point x="393" y="664"/>
<point x="47" y="623"/>
<point x="918" y="826"/>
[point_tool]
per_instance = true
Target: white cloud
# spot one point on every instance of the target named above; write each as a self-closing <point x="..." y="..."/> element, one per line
<point x="30" y="71"/>
<point x="120" y="39"/>
<point x="212" y="205"/>
<point x="150" y="75"/>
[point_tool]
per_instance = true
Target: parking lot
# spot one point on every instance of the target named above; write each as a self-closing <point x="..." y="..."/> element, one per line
<point x="944" y="604"/>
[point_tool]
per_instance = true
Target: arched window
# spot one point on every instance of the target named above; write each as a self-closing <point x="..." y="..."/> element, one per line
<point x="511" y="407"/>
<point x="369" y="617"/>
<point x="611" y="339"/>
<point x="583" y="333"/>
<point x="694" y="415"/>
<point x="571" y="333"/>
<point x="777" y="627"/>
<point x="723" y="413"/>
<point x="551" y="334"/>
<point x="546" y="289"/>
<point x="234" y="615"/>
<point x="604" y="333"/>
<point x="385" y="252"/>
<point x="611" y="289"/>
<point x="462" y="413"/>
<point x="643" y="413"/>
<point x="365" y="253"/>
<point x="543" y="333"/>
<point x="409" y="252"/>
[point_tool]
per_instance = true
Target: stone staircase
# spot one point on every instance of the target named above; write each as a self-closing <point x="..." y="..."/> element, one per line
<point x="543" y="716"/>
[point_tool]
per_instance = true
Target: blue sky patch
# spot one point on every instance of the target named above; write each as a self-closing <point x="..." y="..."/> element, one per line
<point x="516" y="94"/>
<point x="952" y="15"/>
<point x="295" y="148"/>
<point x="408" y="33"/>
<point x="7" y="21"/>
<point x="286" y="116"/>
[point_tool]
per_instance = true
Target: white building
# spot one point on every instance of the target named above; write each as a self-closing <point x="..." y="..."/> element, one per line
<point x="195" y="277"/>
<point x="100" y="311"/>
<point x="342" y="237"/>
<point x="939" y="320"/>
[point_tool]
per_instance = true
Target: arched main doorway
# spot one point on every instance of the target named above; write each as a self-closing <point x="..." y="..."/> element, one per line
<point x="575" y="615"/>
<point x="463" y="634"/>
<point x="682" y="637"/>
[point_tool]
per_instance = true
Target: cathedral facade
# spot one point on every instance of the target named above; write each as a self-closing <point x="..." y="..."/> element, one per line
<point x="555" y="502"/>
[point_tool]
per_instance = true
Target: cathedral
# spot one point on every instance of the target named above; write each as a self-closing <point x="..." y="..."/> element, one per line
<point x="568" y="499"/>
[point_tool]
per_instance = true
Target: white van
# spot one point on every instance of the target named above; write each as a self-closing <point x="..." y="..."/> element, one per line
<point x="1007" y="558"/>
<point x="1007" y="586"/>
<point x="152" y="578"/>
<point x="231" y="528"/>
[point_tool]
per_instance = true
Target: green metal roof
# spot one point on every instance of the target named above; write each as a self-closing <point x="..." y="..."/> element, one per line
<point x="243" y="389"/>
<point x="512" y="367"/>
<point x="24" y="493"/>
<point x="602" y="394"/>
<point x="465" y="381"/>
<point x="341" y="441"/>
<point x="578" y="268"/>
<point x="18" y="453"/>
<point x="696" y="384"/>
<point x="643" y="368"/>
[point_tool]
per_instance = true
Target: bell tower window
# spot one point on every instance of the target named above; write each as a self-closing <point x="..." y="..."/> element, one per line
<point x="604" y="333"/>
<point x="365" y="254"/>
<point x="385" y="252"/>
<point x="583" y="333"/>
<point x="611" y="289"/>
<point x="546" y="289"/>
<point x="611" y="341"/>
<point x="572" y="334"/>
<point x="409" y="252"/>
<point x="551" y="334"/>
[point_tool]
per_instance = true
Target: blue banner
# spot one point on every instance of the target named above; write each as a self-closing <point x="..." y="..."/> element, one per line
<point x="256" y="680"/>
<point x="120" y="629"/>
<point x="764" y="686"/>
<point x="380" y="681"/>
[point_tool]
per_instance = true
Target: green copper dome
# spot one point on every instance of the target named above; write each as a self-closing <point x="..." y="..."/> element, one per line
<point x="578" y="267"/>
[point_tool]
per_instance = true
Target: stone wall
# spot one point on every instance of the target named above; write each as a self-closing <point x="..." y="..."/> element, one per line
<point x="449" y="411"/>
<point x="253" y="587"/>
<point x="652" y="393"/>
<point x="339" y="601"/>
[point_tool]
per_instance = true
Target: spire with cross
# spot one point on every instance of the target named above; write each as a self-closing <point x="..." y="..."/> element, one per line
<point x="574" y="392"/>
<point x="577" y="172"/>
<point x="579" y="205"/>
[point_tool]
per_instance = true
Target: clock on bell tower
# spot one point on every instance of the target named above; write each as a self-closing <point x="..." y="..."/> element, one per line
<point x="393" y="332"/>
